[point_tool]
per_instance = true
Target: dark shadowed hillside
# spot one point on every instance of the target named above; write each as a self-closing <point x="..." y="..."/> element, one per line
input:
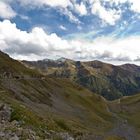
<point x="108" y="80"/>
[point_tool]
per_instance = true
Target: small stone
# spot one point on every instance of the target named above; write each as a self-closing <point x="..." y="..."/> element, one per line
<point x="65" y="136"/>
<point x="15" y="137"/>
<point x="2" y="134"/>
<point x="15" y="123"/>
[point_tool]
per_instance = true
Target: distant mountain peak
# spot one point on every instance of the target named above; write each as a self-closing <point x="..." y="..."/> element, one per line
<point x="47" y="60"/>
<point x="62" y="59"/>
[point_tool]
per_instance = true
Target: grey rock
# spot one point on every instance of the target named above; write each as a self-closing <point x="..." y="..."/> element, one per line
<point x="5" y="113"/>
<point x="65" y="136"/>
<point x="15" y="137"/>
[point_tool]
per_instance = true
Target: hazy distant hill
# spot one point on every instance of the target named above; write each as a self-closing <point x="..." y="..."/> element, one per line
<point x="108" y="80"/>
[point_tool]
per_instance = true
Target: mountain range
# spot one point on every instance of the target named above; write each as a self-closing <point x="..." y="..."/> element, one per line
<point x="110" y="81"/>
<point x="36" y="105"/>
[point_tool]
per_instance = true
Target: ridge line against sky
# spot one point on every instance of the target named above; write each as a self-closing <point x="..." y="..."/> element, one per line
<point x="77" y="29"/>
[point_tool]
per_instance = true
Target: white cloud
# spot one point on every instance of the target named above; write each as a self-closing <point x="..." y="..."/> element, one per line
<point x="69" y="14"/>
<point x="63" y="6"/>
<point x="116" y="1"/>
<point x="6" y="12"/>
<point x="24" y="17"/>
<point x="81" y="9"/>
<point x="52" y="3"/>
<point x="38" y="44"/>
<point x="63" y="27"/>
<point x="110" y="16"/>
<point x="134" y="4"/>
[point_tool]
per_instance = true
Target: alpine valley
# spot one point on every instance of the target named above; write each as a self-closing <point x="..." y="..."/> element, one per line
<point x="68" y="100"/>
<point x="110" y="81"/>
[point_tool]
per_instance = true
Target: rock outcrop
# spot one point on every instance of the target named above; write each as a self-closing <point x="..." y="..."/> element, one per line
<point x="13" y="130"/>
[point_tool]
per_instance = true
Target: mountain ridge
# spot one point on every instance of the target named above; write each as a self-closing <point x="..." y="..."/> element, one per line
<point x="108" y="80"/>
<point x="46" y="104"/>
<point x="56" y="108"/>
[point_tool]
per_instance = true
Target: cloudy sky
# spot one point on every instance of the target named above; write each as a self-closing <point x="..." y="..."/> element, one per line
<point x="107" y="30"/>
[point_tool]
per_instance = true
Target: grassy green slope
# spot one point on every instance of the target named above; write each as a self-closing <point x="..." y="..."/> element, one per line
<point x="12" y="68"/>
<point x="128" y="108"/>
<point x="108" y="80"/>
<point x="59" y="100"/>
<point x="60" y="105"/>
<point x="57" y="104"/>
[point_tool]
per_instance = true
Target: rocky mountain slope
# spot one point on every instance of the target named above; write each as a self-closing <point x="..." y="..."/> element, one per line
<point x="37" y="107"/>
<point x="108" y="80"/>
<point x="44" y="104"/>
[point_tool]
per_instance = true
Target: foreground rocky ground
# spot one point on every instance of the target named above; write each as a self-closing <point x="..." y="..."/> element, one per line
<point x="13" y="130"/>
<point x="36" y="107"/>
